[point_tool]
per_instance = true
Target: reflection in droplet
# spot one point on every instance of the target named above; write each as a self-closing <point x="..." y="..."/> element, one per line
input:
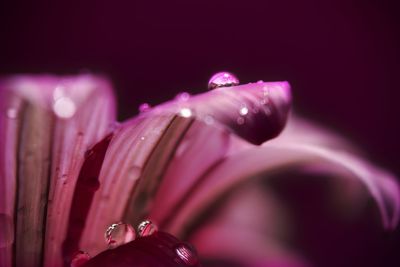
<point x="185" y="112"/>
<point x="243" y="111"/>
<point x="222" y="79"/>
<point x="12" y="113"/>
<point x="187" y="254"/>
<point x="80" y="258"/>
<point x="240" y="120"/>
<point x="144" y="107"/>
<point x="64" y="107"/>
<point x="184" y="96"/>
<point x="147" y="228"/>
<point x="6" y="230"/>
<point x="118" y="234"/>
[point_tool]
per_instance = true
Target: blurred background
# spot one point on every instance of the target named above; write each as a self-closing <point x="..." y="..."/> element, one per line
<point x="341" y="57"/>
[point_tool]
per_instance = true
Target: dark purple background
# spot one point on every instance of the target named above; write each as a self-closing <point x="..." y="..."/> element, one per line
<point x="341" y="57"/>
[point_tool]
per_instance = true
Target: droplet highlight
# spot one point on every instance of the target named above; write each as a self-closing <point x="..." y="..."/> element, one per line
<point x="64" y="107"/>
<point x="186" y="112"/>
<point x="118" y="234"/>
<point x="187" y="254"/>
<point x="222" y="79"/>
<point x="243" y="111"/>
<point x="147" y="228"/>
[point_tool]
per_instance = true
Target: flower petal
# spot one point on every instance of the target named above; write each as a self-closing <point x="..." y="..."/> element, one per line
<point x="248" y="228"/>
<point x="153" y="140"/>
<point x="58" y="116"/>
<point x="274" y="156"/>
<point x="256" y="112"/>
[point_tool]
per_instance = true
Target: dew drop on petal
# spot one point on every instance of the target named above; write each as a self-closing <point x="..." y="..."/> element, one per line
<point x="185" y="112"/>
<point x="222" y="79"/>
<point x="187" y="254"/>
<point x="118" y="234"/>
<point x="12" y="113"/>
<point x="243" y="111"/>
<point x="144" y="107"/>
<point x="80" y="258"/>
<point x="184" y="96"/>
<point x="209" y="120"/>
<point x="64" y="107"/>
<point x="147" y="228"/>
<point x="240" y="120"/>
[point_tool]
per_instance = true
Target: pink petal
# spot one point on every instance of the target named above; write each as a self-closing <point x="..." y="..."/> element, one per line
<point x="248" y="228"/>
<point x="256" y="112"/>
<point x="157" y="142"/>
<point x="276" y="155"/>
<point x="80" y="110"/>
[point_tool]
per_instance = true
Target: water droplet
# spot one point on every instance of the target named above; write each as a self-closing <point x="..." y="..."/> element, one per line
<point x="12" y="113"/>
<point x="187" y="254"/>
<point x="144" y="107"/>
<point x="80" y="258"/>
<point x="118" y="234"/>
<point x="185" y="112"/>
<point x="184" y="96"/>
<point x="222" y="79"/>
<point x="243" y="111"/>
<point x="142" y="138"/>
<point x="64" y="107"/>
<point x="240" y="120"/>
<point x="147" y="228"/>
<point x="6" y="230"/>
<point x="209" y="120"/>
<point x="267" y="111"/>
<point x="260" y="81"/>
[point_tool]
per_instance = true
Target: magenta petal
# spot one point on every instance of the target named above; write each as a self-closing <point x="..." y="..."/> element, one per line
<point x="256" y="112"/>
<point x="276" y="155"/>
<point x="80" y="110"/>
<point x="248" y="228"/>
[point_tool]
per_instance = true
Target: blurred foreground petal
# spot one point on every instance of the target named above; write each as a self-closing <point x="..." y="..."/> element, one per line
<point x="47" y="124"/>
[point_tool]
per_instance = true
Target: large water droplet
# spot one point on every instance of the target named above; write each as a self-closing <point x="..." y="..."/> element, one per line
<point x="147" y="228"/>
<point x="187" y="254"/>
<point x="80" y="258"/>
<point x="222" y="79"/>
<point x="118" y="234"/>
<point x="144" y="107"/>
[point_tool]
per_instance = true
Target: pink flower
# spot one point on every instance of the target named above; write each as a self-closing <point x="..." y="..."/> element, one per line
<point x="70" y="174"/>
